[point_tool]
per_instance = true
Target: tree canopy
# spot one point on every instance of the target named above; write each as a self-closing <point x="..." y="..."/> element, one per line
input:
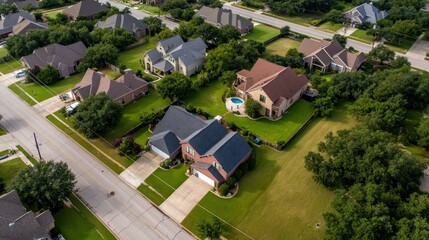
<point x="174" y="86"/>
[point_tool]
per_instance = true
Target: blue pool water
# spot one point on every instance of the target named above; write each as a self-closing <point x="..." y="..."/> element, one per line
<point x="237" y="101"/>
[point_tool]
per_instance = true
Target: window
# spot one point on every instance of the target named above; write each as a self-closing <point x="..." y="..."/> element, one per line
<point x="190" y="151"/>
<point x="262" y="98"/>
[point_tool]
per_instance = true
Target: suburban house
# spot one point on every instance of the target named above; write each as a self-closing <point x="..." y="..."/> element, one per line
<point x="23" y="27"/>
<point x="365" y="13"/>
<point x="85" y="8"/>
<point x="8" y="21"/>
<point x="63" y="58"/>
<point x="221" y="17"/>
<point x="124" y="89"/>
<point x="275" y="87"/>
<point x="16" y="223"/>
<point x="175" y="55"/>
<point x="215" y="152"/>
<point x="155" y="2"/>
<point x="21" y="4"/>
<point x="329" y="55"/>
<point x="127" y="22"/>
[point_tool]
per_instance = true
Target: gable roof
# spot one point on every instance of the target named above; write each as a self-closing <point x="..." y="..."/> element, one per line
<point x="8" y="21"/>
<point x="212" y="170"/>
<point x="222" y="17"/>
<point x="23" y="27"/>
<point x="165" y="141"/>
<point x="275" y="80"/>
<point x="18" y="223"/>
<point x="124" y="21"/>
<point x="94" y="83"/>
<point x="365" y="12"/>
<point x="203" y="139"/>
<point x="171" y="43"/>
<point x="85" y="8"/>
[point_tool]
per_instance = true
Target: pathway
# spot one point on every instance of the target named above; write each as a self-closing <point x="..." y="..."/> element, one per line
<point x="346" y="31"/>
<point x="419" y="49"/>
<point x="141" y="169"/>
<point x="49" y="106"/>
<point x="185" y="198"/>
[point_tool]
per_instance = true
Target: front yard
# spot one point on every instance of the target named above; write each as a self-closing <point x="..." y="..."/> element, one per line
<point x="361" y="35"/>
<point x="280" y="130"/>
<point x="8" y="170"/>
<point x="280" y="47"/>
<point x="10" y="66"/>
<point x="330" y="27"/>
<point x="280" y="194"/>
<point x="262" y="33"/>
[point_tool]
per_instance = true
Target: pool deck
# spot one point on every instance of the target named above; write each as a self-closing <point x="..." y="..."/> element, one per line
<point x="233" y="107"/>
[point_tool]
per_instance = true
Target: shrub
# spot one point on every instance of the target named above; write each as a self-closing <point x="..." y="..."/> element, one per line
<point x="139" y="73"/>
<point x="128" y="146"/>
<point x="232" y="126"/>
<point x="190" y="108"/>
<point x="223" y="189"/>
<point x="162" y="164"/>
<point x="231" y="181"/>
<point x="168" y="162"/>
<point x="244" y="167"/>
<point x="281" y="142"/>
<point x="238" y="174"/>
<point x="252" y="108"/>
<point x="252" y="163"/>
<point x="151" y="117"/>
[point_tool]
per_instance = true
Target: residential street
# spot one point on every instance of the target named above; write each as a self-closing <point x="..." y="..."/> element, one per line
<point x="127" y="213"/>
<point x="315" y="33"/>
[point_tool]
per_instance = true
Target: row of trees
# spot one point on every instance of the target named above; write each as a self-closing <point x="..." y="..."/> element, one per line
<point x="183" y="10"/>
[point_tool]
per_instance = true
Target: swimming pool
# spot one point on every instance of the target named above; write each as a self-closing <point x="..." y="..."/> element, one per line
<point x="237" y="100"/>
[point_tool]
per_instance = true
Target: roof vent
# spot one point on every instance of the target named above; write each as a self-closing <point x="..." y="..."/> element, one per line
<point x="11" y="224"/>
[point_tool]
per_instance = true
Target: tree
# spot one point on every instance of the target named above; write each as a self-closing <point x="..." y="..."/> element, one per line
<point x="293" y="58"/>
<point x="402" y="31"/>
<point x="48" y="75"/>
<point x="285" y="31"/>
<point x="46" y="185"/>
<point x="211" y="3"/>
<point x="323" y="106"/>
<point x="381" y="54"/>
<point x="340" y="39"/>
<point x="6" y="9"/>
<point x="32" y="74"/>
<point x="253" y="108"/>
<point x="99" y="55"/>
<point x="118" y="37"/>
<point x="154" y="24"/>
<point x="96" y="114"/>
<point x="399" y="62"/>
<point x="423" y="133"/>
<point x="164" y="34"/>
<point x="334" y="16"/>
<point x="128" y="146"/>
<point x="211" y="230"/>
<point x="174" y="86"/>
<point x="226" y="34"/>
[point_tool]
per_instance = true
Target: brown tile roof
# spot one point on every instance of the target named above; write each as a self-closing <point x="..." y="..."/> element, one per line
<point x="275" y="80"/>
<point x="85" y="8"/>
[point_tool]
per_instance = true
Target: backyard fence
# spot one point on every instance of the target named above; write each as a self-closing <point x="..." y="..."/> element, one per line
<point x="136" y="44"/>
<point x="113" y="67"/>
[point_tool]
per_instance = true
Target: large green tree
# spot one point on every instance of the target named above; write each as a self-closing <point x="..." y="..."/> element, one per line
<point x="154" y="24"/>
<point x="174" y="86"/>
<point x="96" y="114"/>
<point x="381" y="54"/>
<point x="211" y="230"/>
<point x="117" y="37"/>
<point x="48" y="75"/>
<point x="99" y="55"/>
<point x="46" y="185"/>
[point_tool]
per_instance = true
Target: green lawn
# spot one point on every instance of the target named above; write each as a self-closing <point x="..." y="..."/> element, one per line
<point x="280" y="46"/>
<point x="53" y="12"/>
<point x="8" y="170"/>
<point x="304" y="19"/>
<point x="280" y="130"/>
<point x="262" y="33"/>
<point x="3" y="52"/>
<point x="10" y="66"/>
<point x="164" y="182"/>
<point x="142" y="135"/>
<point x="402" y="48"/>
<point x="14" y="88"/>
<point x="360" y="35"/>
<point x="27" y="155"/>
<point x="209" y="98"/>
<point x="149" y="8"/>
<point x="131" y="58"/>
<point x="2" y="131"/>
<point x="78" y="222"/>
<point x="153" y="196"/>
<point x="330" y="27"/>
<point x="279" y="199"/>
<point x="110" y="73"/>
<point x="41" y="93"/>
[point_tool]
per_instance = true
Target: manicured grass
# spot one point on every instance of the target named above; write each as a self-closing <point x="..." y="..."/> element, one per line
<point x="262" y="33"/>
<point x="132" y="58"/>
<point x="41" y="92"/>
<point x="167" y="181"/>
<point x="149" y="8"/>
<point x="4" y="152"/>
<point x="53" y="12"/>
<point x="304" y="19"/>
<point x="279" y="199"/>
<point x="14" y="88"/>
<point x="142" y="135"/>
<point x="8" y="170"/>
<point x="78" y="222"/>
<point x="10" y="66"/>
<point x="280" y="130"/>
<point x="330" y="27"/>
<point x="280" y="46"/>
<point x="3" y="52"/>
<point x="27" y="155"/>
<point x="2" y="131"/>
<point x="402" y="48"/>
<point x="66" y="129"/>
<point x="360" y="35"/>
<point x="153" y="196"/>
<point x="209" y="98"/>
<point x="132" y="112"/>
<point x="110" y="73"/>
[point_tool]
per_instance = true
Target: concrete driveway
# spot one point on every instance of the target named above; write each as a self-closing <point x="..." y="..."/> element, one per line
<point x="419" y="49"/>
<point x="141" y="169"/>
<point x="50" y="105"/>
<point x="185" y="198"/>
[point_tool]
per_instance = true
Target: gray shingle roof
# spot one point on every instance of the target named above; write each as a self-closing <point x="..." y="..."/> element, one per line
<point x="171" y="43"/>
<point x="166" y="142"/>
<point x="85" y="8"/>
<point x="209" y="168"/>
<point x="222" y="17"/>
<point x="11" y="20"/>
<point x="154" y="55"/>
<point x="23" y="27"/>
<point x="163" y="65"/>
<point x="124" y="21"/>
<point x="367" y="13"/>
<point x="203" y="139"/>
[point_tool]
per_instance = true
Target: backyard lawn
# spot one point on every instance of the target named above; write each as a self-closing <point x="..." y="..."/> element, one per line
<point x="280" y="130"/>
<point x="280" y="194"/>
<point x="262" y="33"/>
<point x="330" y="27"/>
<point x="164" y="182"/>
<point x="149" y="8"/>
<point x="53" y="12"/>
<point x="77" y="222"/>
<point x="281" y="46"/>
<point x="209" y="98"/>
<point x="131" y="58"/>
<point x="10" y="66"/>
<point x="8" y="170"/>
<point x="361" y="35"/>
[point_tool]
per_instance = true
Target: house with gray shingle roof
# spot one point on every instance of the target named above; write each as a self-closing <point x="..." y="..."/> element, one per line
<point x="215" y="152"/>
<point x="175" y="55"/>
<point x="85" y="8"/>
<point x="8" y="21"/>
<point x="21" y="4"/>
<point x="23" y="27"/>
<point x="125" y="21"/>
<point x="16" y="223"/>
<point x="63" y="58"/>
<point x="222" y="17"/>
<point x="364" y="13"/>
<point x="329" y="55"/>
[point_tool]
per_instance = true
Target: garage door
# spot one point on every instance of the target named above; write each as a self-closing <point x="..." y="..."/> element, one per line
<point x="159" y="152"/>
<point x="204" y="177"/>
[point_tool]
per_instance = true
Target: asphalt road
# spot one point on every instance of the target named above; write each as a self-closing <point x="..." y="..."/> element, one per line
<point x="127" y="213"/>
<point x="315" y="33"/>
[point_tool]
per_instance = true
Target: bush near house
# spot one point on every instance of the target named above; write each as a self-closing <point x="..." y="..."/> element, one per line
<point x="252" y="108"/>
<point x="223" y="189"/>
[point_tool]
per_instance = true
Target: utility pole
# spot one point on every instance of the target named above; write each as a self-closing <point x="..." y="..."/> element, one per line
<point x="37" y="146"/>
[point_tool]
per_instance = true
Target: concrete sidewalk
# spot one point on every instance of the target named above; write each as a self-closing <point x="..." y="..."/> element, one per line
<point x="50" y="105"/>
<point x="185" y="198"/>
<point x="141" y="169"/>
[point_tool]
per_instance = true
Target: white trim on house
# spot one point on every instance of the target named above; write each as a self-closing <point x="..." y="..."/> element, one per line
<point x="159" y="152"/>
<point x="203" y="177"/>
